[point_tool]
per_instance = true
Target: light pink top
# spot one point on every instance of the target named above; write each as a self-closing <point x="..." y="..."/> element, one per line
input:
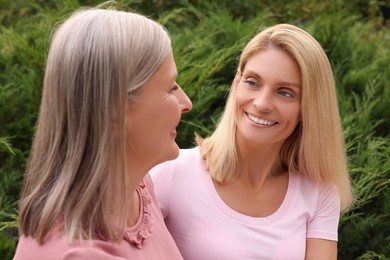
<point x="147" y="239"/>
<point x="204" y="227"/>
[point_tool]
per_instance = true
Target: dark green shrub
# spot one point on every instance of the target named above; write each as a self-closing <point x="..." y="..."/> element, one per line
<point x="207" y="39"/>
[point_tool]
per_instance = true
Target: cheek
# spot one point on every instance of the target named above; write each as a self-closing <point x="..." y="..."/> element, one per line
<point x="236" y="107"/>
<point x="295" y="113"/>
<point x="173" y="106"/>
<point x="166" y="114"/>
<point x="240" y="97"/>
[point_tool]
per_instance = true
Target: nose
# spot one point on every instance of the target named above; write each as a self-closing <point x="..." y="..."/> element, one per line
<point x="184" y="101"/>
<point x="263" y="100"/>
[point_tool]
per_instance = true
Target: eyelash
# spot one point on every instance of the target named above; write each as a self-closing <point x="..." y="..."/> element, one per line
<point x="284" y="93"/>
<point x="175" y="87"/>
<point x="250" y="83"/>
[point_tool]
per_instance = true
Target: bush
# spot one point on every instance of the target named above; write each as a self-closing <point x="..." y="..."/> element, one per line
<point x="207" y="39"/>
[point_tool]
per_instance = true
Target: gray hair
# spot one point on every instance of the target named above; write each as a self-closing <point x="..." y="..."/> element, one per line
<point x="97" y="64"/>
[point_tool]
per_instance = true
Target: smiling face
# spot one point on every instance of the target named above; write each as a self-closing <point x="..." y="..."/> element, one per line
<point x="268" y="98"/>
<point x="151" y="122"/>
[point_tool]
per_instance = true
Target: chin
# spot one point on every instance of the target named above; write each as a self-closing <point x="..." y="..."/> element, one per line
<point x="174" y="153"/>
<point x="170" y="154"/>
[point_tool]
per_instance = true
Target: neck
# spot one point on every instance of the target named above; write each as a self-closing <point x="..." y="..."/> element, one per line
<point x="135" y="175"/>
<point x="136" y="172"/>
<point x="258" y="162"/>
<point x="134" y="209"/>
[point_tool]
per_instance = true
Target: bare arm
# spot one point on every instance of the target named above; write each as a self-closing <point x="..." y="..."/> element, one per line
<point x="320" y="249"/>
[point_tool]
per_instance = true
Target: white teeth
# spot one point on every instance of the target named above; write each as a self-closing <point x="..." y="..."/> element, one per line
<point x="261" y="121"/>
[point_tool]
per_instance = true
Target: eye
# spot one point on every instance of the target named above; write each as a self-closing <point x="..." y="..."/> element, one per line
<point x="175" y="87"/>
<point x="250" y="83"/>
<point x="285" y="93"/>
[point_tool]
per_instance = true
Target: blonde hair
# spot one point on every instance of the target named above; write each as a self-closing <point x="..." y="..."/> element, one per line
<point x="316" y="147"/>
<point x="97" y="64"/>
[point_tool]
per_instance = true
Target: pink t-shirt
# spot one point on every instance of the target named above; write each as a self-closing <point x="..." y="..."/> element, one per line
<point x="147" y="239"/>
<point x="204" y="227"/>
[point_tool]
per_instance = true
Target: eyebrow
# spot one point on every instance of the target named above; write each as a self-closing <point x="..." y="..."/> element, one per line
<point x="284" y="83"/>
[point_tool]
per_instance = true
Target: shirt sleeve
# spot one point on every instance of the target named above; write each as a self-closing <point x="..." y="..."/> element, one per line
<point x="161" y="176"/>
<point x="324" y="223"/>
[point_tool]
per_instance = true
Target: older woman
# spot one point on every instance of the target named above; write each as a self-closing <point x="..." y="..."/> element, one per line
<point x="109" y="110"/>
<point x="269" y="183"/>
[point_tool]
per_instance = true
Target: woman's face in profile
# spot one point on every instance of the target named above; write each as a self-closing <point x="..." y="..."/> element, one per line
<point x="151" y="122"/>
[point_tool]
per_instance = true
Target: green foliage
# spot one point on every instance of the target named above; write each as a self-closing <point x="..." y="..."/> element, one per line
<point x="370" y="170"/>
<point x="11" y="223"/>
<point x="370" y="255"/>
<point x="7" y="246"/>
<point x="207" y="39"/>
<point x="5" y="145"/>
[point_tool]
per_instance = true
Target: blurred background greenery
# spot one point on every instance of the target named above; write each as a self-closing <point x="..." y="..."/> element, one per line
<point x="207" y="39"/>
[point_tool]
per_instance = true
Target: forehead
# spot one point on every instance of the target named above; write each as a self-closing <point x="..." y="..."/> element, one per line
<point x="274" y="62"/>
<point x="167" y="70"/>
<point x="164" y="76"/>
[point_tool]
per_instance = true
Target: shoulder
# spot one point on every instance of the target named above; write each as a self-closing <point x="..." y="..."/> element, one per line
<point x="316" y="195"/>
<point x="53" y="247"/>
<point x="321" y="203"/>
<point x="95" y="253"/>
<point x="57" y="248"/>
<point x="187" y="158"/>
<point x="320" y="198"/>
<point x="174" y="178"/>
<point x="307" y="186"/>
<point x="189" y="155"/>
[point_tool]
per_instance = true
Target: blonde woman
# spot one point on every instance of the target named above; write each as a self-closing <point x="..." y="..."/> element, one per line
<point x="272" y="179"/>
<point x="109" y="109"/>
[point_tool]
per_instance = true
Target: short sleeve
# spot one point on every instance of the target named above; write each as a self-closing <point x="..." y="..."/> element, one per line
<point x="162" y="175"/>
<point x="324" y="223"/>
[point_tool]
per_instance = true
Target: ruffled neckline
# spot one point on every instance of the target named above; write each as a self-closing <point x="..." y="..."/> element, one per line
<point x="138" y="233"/>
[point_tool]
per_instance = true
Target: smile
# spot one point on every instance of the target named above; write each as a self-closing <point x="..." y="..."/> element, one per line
<point x="260" y="121"/>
